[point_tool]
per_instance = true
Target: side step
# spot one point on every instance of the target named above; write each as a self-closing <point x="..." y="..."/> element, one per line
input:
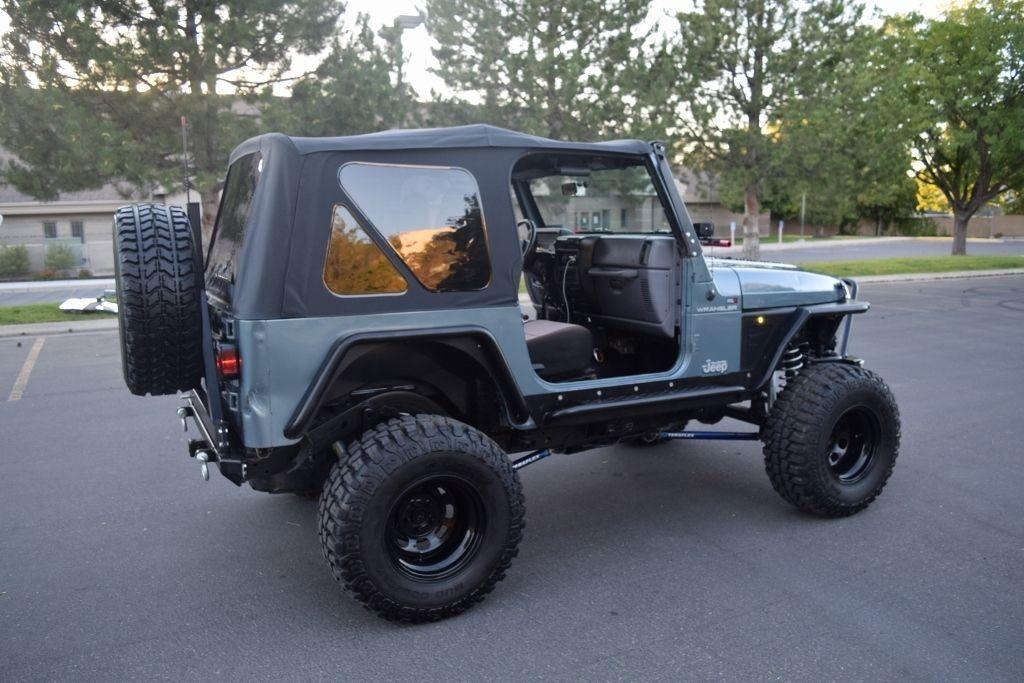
<point x="651" y="404"/>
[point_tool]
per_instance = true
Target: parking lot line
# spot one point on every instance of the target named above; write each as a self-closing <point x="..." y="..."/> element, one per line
<point x="26" y="370"/>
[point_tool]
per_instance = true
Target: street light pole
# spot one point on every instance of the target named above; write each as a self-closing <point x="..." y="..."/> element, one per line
<point x="401" y="24"/>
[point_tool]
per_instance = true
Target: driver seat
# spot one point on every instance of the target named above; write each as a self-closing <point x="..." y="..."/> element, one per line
<point x="559" y="351"/>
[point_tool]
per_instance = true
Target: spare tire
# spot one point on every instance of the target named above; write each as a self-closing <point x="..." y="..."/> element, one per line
<point x="158" y="289"/>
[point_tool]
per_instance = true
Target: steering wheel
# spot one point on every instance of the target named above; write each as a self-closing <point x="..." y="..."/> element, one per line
<point x="527" y="241"/>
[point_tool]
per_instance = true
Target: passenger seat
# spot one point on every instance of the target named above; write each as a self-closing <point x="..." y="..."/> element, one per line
<point x="559" y="350"/>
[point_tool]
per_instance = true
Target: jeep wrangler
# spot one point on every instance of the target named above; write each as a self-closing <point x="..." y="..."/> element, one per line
<point x="354" y="332"/>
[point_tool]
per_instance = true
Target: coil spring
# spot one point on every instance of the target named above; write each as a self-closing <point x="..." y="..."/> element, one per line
<point x="793" y="359"/>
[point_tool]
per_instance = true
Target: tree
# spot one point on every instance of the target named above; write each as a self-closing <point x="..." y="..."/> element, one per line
<point x="560" y="69"/>
<point x="964" y="81"/>
<point x="92" y="92"/>
<point x="356" y="89"/>
<point x="738" y="63"/>
<point x="841" y="138"/>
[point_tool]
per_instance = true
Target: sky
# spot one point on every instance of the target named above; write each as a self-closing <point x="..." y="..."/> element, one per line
<point x="417" y="45"/>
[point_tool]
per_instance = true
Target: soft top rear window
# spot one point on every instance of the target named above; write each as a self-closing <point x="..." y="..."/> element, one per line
<point x="232" y="219"/>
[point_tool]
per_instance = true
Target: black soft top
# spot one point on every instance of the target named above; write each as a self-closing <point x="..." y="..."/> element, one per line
<point x="279" y="267"/>
<point x="457" y="137"/>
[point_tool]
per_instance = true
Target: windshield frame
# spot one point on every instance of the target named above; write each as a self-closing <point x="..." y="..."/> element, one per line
<point x="528" y="206"/>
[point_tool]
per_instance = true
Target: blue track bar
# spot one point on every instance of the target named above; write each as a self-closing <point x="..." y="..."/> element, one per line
<point x="713" y="436"/>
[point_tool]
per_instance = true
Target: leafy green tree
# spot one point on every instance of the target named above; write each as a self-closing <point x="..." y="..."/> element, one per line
<point x="561" y="69"/>
<point x="738" y="64"/>
<point x="964" y="83"/>
<point x="356" y="89"/>
<point x="92" y="92"/>
<point x="840" y="139"/>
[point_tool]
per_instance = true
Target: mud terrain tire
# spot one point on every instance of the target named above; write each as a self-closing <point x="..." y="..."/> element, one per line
<point x="421" y="518"/>
<point x="831" y="439"/>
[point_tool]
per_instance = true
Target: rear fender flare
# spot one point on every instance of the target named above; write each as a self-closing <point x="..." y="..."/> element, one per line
<point x="475" y="343"/>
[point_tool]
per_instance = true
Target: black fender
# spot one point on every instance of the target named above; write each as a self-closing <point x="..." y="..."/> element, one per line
<point x="797" y="319"/>
<point x="476" y="342"/>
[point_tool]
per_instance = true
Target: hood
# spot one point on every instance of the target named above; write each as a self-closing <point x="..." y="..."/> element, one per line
<point x="774" y="285"/>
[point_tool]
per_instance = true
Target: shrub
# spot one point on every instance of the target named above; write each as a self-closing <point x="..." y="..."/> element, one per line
<point x="47" y="274"/>
<point x="13" y="261"/>
<point x="60" y="258"/>
<point x="84" y="272"/>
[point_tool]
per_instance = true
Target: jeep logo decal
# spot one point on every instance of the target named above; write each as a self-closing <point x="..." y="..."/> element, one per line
<point x="714" y="367"/>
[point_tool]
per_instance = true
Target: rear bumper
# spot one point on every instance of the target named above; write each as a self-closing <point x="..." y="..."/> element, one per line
<point x="214" y="441"/>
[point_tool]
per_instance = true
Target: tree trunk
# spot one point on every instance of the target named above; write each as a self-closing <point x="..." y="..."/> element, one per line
<point x="960" y="219"/>
<point x="751" y="235"/>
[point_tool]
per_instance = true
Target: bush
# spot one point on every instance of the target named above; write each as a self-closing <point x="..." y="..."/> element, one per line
<point x="47" y="274"/>
<point x="13" y="261"/>
<point x="60" y="258"/>
<point x="84" y="272"/>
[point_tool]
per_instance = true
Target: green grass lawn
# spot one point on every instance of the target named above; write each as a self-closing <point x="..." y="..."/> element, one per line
<point x="43" y="313"/>
<point x="915" y="264"/>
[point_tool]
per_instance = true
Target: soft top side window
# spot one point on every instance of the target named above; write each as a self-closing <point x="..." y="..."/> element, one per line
<point x="232" y="220"/>
<point x="354" y="264"/>
<point x="430" y="215"/>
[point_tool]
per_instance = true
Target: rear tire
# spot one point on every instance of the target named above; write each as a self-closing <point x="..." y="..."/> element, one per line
<point x="421" y="518"/>
<point x="158" y="303"/>
<point x="831" y="439"/>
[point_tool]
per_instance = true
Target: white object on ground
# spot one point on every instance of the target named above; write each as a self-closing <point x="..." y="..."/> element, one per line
<point x="97" y="304"/>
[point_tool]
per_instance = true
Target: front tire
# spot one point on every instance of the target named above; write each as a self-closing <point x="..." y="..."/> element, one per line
<point x="421" y="518"/>
<point x="831" y="439"/>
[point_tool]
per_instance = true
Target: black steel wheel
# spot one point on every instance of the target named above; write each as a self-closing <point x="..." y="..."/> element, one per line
<point x="421" y="518"/>
<point x="436" y="527"/>
<point x="853" y="443"/>
<point x="831" y="439"/>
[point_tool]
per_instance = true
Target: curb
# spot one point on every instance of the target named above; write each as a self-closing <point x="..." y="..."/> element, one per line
<point x="43" y="329"/>
<point x="922" y="277"/>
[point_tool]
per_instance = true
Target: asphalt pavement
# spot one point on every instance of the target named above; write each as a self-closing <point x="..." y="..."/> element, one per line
<point x="674" y="562"/>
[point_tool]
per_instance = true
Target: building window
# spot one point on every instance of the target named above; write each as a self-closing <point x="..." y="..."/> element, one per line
<point x="50" y="229"/>
<point x="623" y="218"/>
<point x="430" y="215"/>
<point x="78" y="230"/>
<point x="354" y="264"/>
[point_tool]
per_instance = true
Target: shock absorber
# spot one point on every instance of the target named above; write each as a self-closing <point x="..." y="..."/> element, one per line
<point x="793" y="359"/>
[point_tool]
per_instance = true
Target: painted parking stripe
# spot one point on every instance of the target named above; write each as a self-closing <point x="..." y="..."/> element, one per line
<point x="26" y="370"/>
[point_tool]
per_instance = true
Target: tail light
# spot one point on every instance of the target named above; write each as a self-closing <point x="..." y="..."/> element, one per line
<point x="229" y="365"/>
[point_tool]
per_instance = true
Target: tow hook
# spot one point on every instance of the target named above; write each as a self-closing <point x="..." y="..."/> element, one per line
<point x="203" y="457"/>
<point x="183" y="414"/>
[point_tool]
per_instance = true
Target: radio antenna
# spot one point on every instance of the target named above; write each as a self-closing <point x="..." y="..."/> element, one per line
<point x="184" y="158"/>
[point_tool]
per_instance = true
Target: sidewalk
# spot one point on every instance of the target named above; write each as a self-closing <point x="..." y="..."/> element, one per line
<point x="771" y="243"/>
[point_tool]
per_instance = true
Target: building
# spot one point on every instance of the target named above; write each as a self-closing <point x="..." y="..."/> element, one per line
<point x="80" y="221"/>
